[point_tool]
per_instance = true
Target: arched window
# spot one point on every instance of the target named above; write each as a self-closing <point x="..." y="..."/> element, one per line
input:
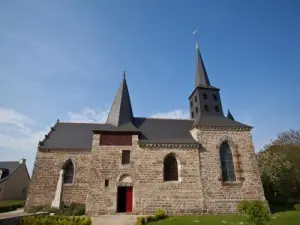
<point x="170" y="168"/>
<point x="227" y="165"/>
<point x="68" y="172"/>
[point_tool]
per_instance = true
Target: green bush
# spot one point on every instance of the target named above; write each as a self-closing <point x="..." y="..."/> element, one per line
<point x="140" y="221"/>
<point x="256" y="212"/>
<point x="74" y="209"/>
<point x="297" y="207"/>
<point x="160" y="214"/>
<point x="6" y="206"/>
<point x="55" y="220"/>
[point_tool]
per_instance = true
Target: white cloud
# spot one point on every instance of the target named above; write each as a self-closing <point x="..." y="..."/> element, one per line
<point x="89" y="115"/>
<point x="18" y="131"/>
<point x="176" y="114"/>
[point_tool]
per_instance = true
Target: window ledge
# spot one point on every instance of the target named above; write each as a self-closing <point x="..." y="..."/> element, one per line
<point x="68" y="184"/>
<point x="172" y="181"/>
<point x="231" y="183"/>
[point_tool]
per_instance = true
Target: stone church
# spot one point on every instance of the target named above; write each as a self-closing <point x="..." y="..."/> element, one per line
<point x="205" y="164"/>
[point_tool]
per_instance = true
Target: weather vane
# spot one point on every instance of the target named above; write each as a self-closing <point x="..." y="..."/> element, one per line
<point x="196" y="37"/>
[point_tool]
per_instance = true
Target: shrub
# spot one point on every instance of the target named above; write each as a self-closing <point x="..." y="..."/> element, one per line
<point x="151" y="219"/>
<point x="140" y="221"/>
<point x="55" y="220"/>
<point x="160" y="214"/>
<point x="256" y="212"/>
<point x="40" y="208"/>
<point x="6" y="206"/>
<point x="297" y="207"/>
<point x="74" y="209"/>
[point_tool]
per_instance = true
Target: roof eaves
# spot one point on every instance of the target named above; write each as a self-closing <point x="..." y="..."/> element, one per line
<point x="41" y="143"/>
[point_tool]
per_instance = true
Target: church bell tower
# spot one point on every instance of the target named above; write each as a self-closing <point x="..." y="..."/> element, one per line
<point x="205" y="100"/>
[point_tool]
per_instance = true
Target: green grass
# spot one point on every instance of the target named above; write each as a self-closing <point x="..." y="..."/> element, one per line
<point x="6" y="206"/>
<point x="282" y="218"/>
<point x="10" y="202"/>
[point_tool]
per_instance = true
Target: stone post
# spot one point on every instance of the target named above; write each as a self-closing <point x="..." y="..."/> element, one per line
<point x="56" y="201"/>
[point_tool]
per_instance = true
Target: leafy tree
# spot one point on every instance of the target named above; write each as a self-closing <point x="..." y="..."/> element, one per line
<point x="279" y="164"/>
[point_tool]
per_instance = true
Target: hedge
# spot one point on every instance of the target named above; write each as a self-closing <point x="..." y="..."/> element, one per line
<point x="74" y="209"/>
<point x="7" y="206"/>
<point x="159" y="215"/>
<point x="55" y="220"/>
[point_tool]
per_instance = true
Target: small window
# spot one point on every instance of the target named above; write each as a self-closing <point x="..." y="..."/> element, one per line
<point x="215" y="97"/>
<point x="192" y="114"/>
<point x="206" y="108"/>
<point x="217" y="108"/>
<point x="195" y="98"/>
<point x="68" y="172"/>
<point x="191" y="104"/>
<point x="106" y="183"/>
<point x="196" y="109"/>
<point x="125" y="157"/>
<point x="170" y="168"/>
<point x="205" y="96"/>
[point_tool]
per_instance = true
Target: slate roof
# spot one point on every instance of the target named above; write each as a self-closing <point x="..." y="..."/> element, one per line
<point x="151" y="130"/>
<point x="229" y="115"/>
<point x="11" y="166"/>
<point x="121" y="111"/>
<point x="201" y="74"/>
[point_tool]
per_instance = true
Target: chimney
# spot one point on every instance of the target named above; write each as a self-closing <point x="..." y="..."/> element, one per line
<point x="22" y="161"/>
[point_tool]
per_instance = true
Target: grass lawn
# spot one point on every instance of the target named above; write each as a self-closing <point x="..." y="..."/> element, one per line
<point x="6" y="206"/>
<point x="12" y="202"/>
<point x="282" y="218"/>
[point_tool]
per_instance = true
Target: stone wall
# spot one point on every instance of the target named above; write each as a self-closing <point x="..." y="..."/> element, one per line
<point x="199" y="189"/>
<point x="222" y="197"/>
<point x="150" y="192"/>
<point x="45" y="175"/>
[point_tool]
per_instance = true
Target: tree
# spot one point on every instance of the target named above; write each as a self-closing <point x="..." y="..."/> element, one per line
<point x="277" y="171"/>
<point x="279" y="163"/>
<point x="291" y="137"/>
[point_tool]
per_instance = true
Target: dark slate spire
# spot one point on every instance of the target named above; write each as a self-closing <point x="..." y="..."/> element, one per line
<point x="201" y="75"/>
<point x="121" y="111"/>
<point x="229" y="116"/>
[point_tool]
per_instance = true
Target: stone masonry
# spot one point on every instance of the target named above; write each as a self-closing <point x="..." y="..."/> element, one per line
<point x="200" y="188"/>
<point x="45" y="175"/>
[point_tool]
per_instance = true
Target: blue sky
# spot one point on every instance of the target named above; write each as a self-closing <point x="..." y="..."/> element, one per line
<point x="65" y="59"/>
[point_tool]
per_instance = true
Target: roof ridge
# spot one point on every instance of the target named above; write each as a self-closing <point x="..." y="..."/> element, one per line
<point x="8" y="161"/>
<point x="157" y="118"/>
<point x="81" y="123"/>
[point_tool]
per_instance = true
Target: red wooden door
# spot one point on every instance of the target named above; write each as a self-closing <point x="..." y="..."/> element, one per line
<point x="129" y="199"/>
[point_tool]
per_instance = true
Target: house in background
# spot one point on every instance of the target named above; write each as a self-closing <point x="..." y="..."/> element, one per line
<point x="14" y="180"/>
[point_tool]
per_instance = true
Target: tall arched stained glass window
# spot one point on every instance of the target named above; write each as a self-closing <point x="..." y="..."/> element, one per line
<point x="227" y="165"/>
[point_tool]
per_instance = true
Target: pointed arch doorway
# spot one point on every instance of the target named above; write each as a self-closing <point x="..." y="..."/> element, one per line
<point x="125" y="194"/>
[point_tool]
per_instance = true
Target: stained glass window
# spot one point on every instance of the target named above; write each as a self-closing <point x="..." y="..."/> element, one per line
<point x="170" y="168"/>
<point x="227" y="165"/>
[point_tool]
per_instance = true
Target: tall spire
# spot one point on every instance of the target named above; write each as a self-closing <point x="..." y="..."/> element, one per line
<point x="229" y="115"/>
<point x="201" y="75"/>
<point x="121" y="111"/>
